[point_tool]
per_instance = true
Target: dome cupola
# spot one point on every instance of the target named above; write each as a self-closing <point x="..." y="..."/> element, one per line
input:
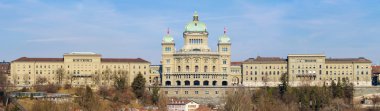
<point x="168" y="38"/>
<point x="224" y="38"/>
<point x="195" y="25"/>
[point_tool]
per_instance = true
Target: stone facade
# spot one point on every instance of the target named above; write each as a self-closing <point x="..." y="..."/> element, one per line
<point x="306" y="69"/>
<point x="195" y="70"/>
<point x="77" y="68"/>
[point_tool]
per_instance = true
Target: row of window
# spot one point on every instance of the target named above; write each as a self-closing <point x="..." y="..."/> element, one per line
<point x="195" y="92"/>
<point x="196" y="83"/>
<point x="195" y="41"/>
<point x="213" y="76"/>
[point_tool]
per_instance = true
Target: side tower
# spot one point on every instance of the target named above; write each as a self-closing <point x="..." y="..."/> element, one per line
<point x="224" y="50"/>
<point x="168" y="49"/>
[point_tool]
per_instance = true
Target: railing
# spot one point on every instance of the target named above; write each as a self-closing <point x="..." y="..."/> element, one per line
<point x="195" y="52"/>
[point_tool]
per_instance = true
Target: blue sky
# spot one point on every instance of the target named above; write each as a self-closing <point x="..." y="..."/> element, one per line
<point x="131" y="29"/>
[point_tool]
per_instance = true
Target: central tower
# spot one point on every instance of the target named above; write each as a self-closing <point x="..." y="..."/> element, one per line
<point x="195" y="36"/>
<point x="195" y="65"/>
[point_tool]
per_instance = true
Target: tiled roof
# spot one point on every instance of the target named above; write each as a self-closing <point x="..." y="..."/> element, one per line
<point x="236" y="63"/>
<point x="347" y="60"/>
<point x="26" y="59"/>
<point x="123" y="60"/>
<point x="259" y="59"/>
<point x="375" y="69"/>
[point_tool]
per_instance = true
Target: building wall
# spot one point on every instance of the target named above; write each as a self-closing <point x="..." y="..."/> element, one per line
<point x="306" y="69"/>
<point x="79" y="70"/>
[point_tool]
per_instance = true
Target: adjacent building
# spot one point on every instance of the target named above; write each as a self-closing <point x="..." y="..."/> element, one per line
<point x="182" y="105"/>
<point x="77" y="69"/>
<point x="306" y="69"/>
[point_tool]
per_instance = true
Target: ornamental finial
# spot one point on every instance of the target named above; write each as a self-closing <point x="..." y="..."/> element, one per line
<point x="168" y="31"/>
<point x="225" y="30"/>
<point x="195" y="16"/>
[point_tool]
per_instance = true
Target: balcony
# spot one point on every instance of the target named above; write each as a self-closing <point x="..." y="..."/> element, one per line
<point x="195" y="52"/>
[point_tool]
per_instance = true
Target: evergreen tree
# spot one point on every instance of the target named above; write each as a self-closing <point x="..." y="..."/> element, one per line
<point x="333" y="89"/>
<point x="284" y="86"/>
<point x="138" y="85"/>
<point x="155" y="93"/>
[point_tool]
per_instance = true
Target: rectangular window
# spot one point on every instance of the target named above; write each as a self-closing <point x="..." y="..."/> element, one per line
<point x="196" y="92"/>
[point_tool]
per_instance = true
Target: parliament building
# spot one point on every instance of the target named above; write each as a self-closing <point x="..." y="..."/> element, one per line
<point x="194" y="70"/>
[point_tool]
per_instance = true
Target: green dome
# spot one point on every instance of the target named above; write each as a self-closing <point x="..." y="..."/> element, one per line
<point x="168" y="38"/>
<point x="195" y="25"/>
<point x="224" y="39"/>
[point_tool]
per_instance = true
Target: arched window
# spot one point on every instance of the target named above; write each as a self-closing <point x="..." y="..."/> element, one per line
<point x="205" y="83"/>
<point x="168" y="83"/>
<point x="224" y="83"/>
<point x="214" y="83"/>
<point x="196" y="83"/>
<point x="187" y="83"/>
<point x="205" y="69"/>
<point x="213" y="68"/>
<point x="196" y="68"/>
<point x="187" y="68"/>
<point x="178" y="83"/>
<point x="179" y="68"/>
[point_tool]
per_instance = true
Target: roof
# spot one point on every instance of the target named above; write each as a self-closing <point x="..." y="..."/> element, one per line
<point x="306" y="55"/>
<point x="123" y="60"/>
<point x="195" y="25"/>
<point x="347" y="60"/>
<point x="259" y="60"/>
<point x="26" y="59"/>
<point x="236" y="63"/>
<point x="375" y="69"/>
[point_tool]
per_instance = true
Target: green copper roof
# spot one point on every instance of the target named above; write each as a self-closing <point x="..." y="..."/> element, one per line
<point x="224" y="39"/>
<point x="168" y="38"/>
<point x="195" y="25"/>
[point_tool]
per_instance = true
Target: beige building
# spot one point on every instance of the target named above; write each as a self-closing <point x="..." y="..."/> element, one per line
<point x="78" y="69"/>
<point x="195" y="70"/>
<point x="310" y="69"/>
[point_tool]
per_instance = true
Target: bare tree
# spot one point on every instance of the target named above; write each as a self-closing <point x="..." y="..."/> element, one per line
<point x="41" y="80"/>
<point x="60" y="75"/>
<point x="107" y="76"/>
<point x="239" y="100"/>
<point x="96" y="78"/>
<point x="375" y="100"/>
<point x="14" y="79"/>
<point x="265" y="80"/>
<point x="25" y="79"/>
<point x="3" y="80"/>
<point x="162" y="102"/>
